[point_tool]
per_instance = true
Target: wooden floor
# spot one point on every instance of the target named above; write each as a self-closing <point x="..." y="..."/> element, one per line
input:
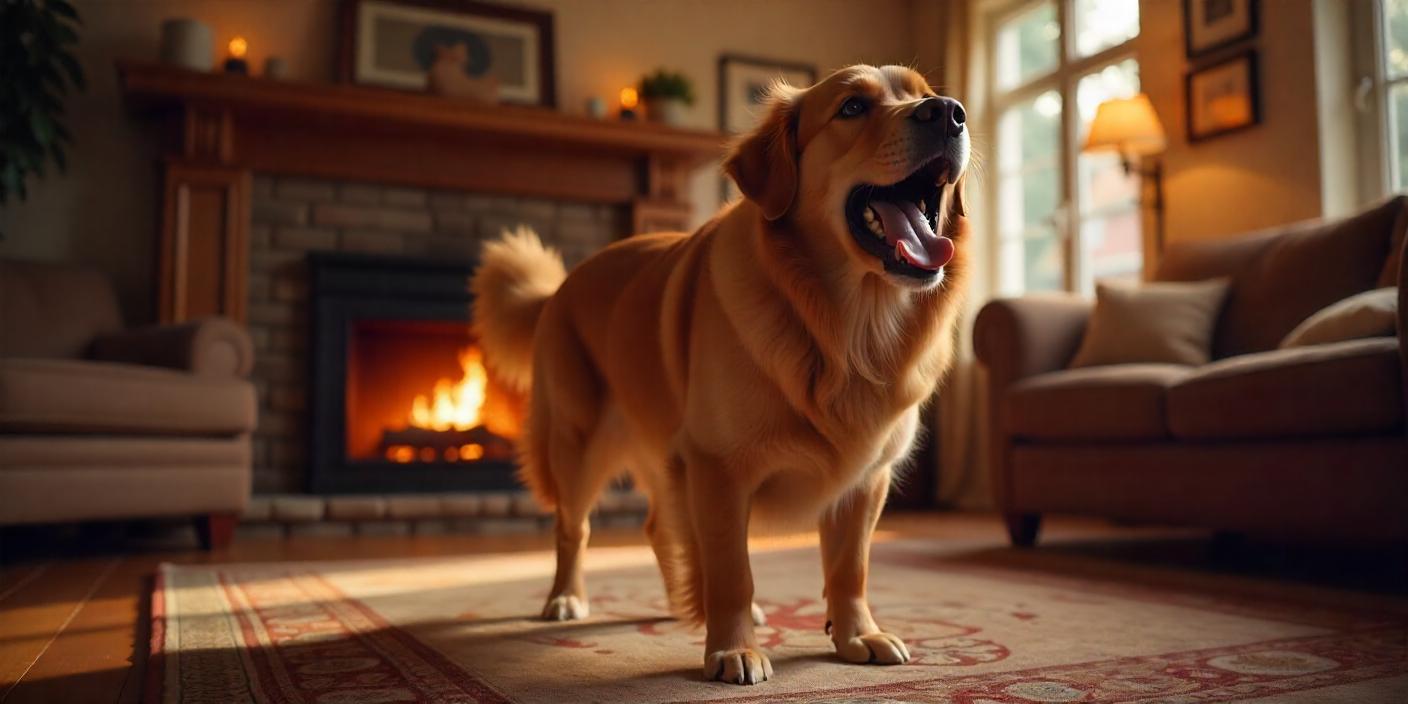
<point x="74" y="627"/>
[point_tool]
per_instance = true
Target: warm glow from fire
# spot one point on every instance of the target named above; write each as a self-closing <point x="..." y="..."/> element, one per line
<point x="454" y="405"/>
<point x="465" y="404"/>
<point x="238" y="47"/>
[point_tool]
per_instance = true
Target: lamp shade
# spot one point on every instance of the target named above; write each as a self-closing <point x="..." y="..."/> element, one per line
<point x="1127" y="125"/>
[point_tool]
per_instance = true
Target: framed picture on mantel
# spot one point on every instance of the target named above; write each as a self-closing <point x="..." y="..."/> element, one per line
<point x="395" y="43"/>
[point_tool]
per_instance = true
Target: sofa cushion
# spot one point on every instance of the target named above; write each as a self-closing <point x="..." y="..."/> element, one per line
<point x="1160" y="322"/>
<point x="1281" y="276"/>
<point x="1369" y="314"/>
<point x="1342" y="388"/>
<point x="69" y="396"/>
<point x="1117" y="402"/>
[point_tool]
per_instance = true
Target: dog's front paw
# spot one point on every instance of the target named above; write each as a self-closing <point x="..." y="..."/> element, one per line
<point x="565" y="608"/>
<point x="874" y="649"/>
<point x="738" y="666"/>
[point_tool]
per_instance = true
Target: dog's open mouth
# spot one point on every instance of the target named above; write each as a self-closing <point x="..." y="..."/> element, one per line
<point x="899" y="223"/>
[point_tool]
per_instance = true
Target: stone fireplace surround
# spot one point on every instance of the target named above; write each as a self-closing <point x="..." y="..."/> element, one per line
<point x="293" y="216"/>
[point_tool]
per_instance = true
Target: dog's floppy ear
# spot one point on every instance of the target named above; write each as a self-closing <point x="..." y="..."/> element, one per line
<point x="764" y="163"/>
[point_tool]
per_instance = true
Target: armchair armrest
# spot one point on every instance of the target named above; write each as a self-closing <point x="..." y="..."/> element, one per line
<point x="1020" y="337"/>
<point x="1015" y="338"/>
<point x="210" y="346"/>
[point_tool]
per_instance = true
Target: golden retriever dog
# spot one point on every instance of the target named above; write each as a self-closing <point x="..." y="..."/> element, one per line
<point x="765" y="370"/>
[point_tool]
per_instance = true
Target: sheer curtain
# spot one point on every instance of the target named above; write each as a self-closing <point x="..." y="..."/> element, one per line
<point x="960" y="415"/>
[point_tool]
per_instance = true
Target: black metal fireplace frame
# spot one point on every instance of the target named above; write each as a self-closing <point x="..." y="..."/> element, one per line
<point x="344" y="289"/>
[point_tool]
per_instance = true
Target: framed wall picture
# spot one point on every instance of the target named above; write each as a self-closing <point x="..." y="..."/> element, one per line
<point x="743" y="86"/>
<point x="1209" y="25"/>
<point x="394" y="43"/>
<point x="1223" y="97"/>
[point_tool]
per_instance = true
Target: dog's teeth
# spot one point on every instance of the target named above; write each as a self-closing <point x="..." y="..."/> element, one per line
<point x="872" y="221"/>
<point x="923" y="206"/>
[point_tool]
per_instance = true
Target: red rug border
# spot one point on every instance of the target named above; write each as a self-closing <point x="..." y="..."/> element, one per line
<point x="475" y="683"/>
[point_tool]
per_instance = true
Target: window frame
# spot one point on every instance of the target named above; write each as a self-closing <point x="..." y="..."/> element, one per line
<point x="1377" y="154"/>
<point x="1064" y="78"/>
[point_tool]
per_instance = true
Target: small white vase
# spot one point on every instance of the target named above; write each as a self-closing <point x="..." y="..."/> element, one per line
<point x="669" y="111"/>
<point x="187" y="43"/>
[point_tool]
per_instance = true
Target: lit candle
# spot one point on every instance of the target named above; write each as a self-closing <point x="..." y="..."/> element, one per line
<point x="629" y="100"/>
<point x="236" y="62"/>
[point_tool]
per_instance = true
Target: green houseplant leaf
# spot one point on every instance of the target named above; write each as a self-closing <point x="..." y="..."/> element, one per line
<point x="667" y="84"/>
<point x="37" y="72"/>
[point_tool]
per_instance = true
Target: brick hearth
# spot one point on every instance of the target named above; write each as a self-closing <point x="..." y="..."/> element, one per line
<point x="293" y="216"/>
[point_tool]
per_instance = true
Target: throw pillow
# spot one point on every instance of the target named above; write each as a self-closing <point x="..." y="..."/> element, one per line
<point x="1369" y="314"/>
<point x="1155" y="322"/>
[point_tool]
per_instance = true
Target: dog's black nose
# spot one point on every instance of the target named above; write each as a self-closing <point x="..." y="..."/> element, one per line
<point x="944" y="111"/>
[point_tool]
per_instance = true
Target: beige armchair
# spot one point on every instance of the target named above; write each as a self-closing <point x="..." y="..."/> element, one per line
<point x="98" y="422"/>
<point x="1303" y="441"/>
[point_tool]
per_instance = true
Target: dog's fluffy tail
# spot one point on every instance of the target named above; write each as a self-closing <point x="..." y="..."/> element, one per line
<point x="516" y="277"/>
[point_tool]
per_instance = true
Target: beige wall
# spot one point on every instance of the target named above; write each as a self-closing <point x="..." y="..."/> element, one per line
<point x="1263" y="176"/>
<point x="103" y="212"/>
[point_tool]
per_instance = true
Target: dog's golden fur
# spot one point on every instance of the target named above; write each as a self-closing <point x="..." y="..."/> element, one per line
<point x="765" y="368"/>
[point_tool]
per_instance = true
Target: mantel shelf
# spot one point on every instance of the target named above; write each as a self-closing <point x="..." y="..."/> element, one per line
<point x="150" y="85"/>
<point x="221" y="129"/>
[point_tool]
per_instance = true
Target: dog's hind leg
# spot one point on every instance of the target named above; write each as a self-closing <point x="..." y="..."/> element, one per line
<point x="581" y="468"/>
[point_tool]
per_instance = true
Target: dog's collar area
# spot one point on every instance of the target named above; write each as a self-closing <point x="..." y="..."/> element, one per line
<point x="898" y="223"/>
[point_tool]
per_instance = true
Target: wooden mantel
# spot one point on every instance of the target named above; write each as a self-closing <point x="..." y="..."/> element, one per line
<point x="221" y="128"/>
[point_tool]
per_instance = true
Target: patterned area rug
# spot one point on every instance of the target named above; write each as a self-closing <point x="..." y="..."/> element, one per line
<point x="983" y="627"/>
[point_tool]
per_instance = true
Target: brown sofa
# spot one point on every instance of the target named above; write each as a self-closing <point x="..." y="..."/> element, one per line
<point x="1308" y="441"/>
<point x="98" y="422"/>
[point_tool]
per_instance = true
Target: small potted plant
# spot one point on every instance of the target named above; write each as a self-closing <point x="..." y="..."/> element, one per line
<point x="666" y="95"/>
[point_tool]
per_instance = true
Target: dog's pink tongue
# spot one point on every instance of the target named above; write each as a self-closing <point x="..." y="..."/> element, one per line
<point x="908" y="231"/>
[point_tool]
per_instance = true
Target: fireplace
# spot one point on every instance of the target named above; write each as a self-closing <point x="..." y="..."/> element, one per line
<point x="401" y="401"/>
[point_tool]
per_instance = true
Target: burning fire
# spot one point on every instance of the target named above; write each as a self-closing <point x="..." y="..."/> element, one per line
<point x="459" y="406"/>
<point x="455" y="405"/>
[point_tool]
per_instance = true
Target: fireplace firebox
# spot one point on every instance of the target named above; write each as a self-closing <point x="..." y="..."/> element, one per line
<point x="401" y="401"/>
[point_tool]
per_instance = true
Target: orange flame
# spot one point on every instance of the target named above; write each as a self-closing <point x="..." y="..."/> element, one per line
<point x="465" y="404"/>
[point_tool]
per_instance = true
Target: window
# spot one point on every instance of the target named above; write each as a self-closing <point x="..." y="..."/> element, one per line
<point x="1394" y="69"/>
<point x="1063" y="218"/>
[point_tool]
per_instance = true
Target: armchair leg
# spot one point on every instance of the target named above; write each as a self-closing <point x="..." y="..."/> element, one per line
<point x="215" y="530"/>
<point x="1022" y="528"/>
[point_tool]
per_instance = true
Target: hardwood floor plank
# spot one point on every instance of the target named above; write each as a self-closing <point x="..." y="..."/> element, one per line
<point x="12" y="579"/>
<point x="92" y="659"/>
<point x="37" y="612"/>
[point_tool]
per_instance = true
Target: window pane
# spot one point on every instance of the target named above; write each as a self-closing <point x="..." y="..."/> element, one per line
<point x="1029" y="194"/>
<point x="1398" y="135"/>
<point x="1110" y="240"/>
<point x="1112" y="246"/>
<point x="1027" y="46"/>
<point x="1101" y="178"/>
<point x="1043" y="265"/>
<point x="1396" y="39"/>
<point x="1101" y="24"/>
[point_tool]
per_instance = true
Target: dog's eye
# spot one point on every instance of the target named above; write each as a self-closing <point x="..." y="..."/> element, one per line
<point x="853" y="107"/>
